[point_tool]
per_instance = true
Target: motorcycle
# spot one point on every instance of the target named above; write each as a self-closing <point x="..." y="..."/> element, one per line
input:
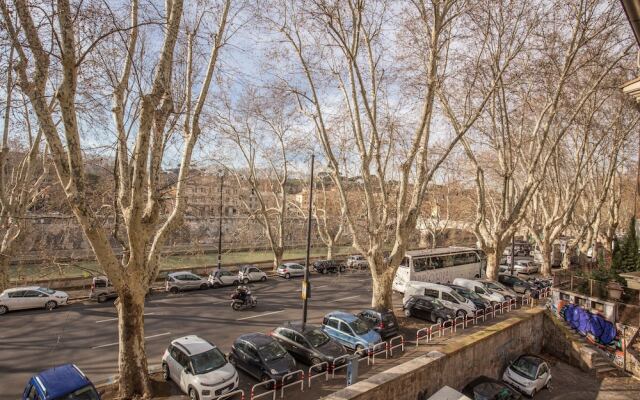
<point x="249" y="301"/>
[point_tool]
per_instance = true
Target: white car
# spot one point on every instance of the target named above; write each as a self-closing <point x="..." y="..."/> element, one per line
<point x="480" y="290"/>
<point x="447" y="296"/>
<point x="250" y="273"/>
<point x="288" y="270"/>
<point x="528" y="374"/>
<point x="22" y="298"/>
<point x="199" y="368"/>
<point x="357" y="261"/>
<point x="220" y="277"/>
<point x="520" y="267"/>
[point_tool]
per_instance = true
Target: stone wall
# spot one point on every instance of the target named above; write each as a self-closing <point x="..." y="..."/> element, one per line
<point x="485" y="352"/>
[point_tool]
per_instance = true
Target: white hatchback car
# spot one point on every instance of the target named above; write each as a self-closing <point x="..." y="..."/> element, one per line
<point x="529" y="374"/>
<point x="199" y="368"/>
<point x="251" y="273"/>
<point x="220" y="277"/>
<point x="22" y="298"/>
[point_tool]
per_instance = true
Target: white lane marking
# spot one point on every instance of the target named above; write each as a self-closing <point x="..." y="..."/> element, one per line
<point x="344" y="298"/>
<point x="116" y="318"/>
<point x="313" y="287"/>
<point x="260" y="315"/>
<point x="115" y="344"/>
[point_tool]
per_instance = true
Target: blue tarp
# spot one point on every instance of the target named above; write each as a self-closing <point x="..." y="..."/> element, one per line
<point x="586" y="323"/>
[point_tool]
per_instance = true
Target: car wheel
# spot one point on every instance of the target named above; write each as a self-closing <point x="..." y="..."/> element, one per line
<point x="174" y="290"/>
<point x="245" y="281"/>
<point x="461" y="313"/>
<point x="533" y="393"/>
<point x="236" y="283"/>
<point x="3" y="310"/>
<point x="407" y="312"/>
<point x="360" y="348"/>
<point x="287" y="276"/>
<point x="316" y="361"/>
<point x="439" y="320"/>
<point x="165" y="372"/>
<point x="193" y="394"/>
<point x="102" y="298"/>
<point x="232" y="360"/>
<point x="216" y="285"/>
<point x="204" y="286"/>
<point x="264" y="278"/>
<point x="50" y="305"/>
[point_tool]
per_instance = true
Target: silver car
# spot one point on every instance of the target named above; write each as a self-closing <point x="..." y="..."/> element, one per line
<point x="497" y="287"/>
<point x="288" y="270"/>
<point x="219" y="278"/>
<point x="357" y="261"/>
<point x="179" y="281"/>
<point x="529" y="374"/>
<point x="251" y="273"/>
<point x="22" y="298"/>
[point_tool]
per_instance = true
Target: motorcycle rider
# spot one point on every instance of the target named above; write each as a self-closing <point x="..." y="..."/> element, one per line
<point x="242" y="294"/>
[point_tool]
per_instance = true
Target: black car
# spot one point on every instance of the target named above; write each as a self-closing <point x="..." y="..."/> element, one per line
<point x="518" y="285"/>
<point x="262" y="357"/>
<point x="383" y="322"/>
<point x="485" y="388"/>
<point x="427" y="308"/>
<point x="325" y="266"/>
<point x="309" y="344"/>
<point x="477" y="301"/>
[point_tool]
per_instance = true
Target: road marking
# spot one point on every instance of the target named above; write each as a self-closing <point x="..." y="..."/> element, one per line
<point x="116" y="343"/>
<point x="259" y="315"/>
<point x="314" y="287"/>
<point x="344" y="298"/>
<point x="116" y="318"/>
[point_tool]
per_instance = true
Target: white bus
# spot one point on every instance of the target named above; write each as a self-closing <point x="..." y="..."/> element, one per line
<point x="441" y="265"/>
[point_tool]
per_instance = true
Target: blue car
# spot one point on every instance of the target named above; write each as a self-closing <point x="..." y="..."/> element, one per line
<point x="62" y="382"/>
<point x="349" y="330"/>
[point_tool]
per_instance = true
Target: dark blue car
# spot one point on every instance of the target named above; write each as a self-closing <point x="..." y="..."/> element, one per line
<point x="64" y="382"/>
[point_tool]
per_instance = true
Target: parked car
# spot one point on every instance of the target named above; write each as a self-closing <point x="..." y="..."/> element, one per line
<point x="448" y="393"/>
<point x="199" y="368"/>
<point x="427" y="308"/>
<point x="477" y="301"/>
<point x="497" y="287"/>
<point x="349" y="330"/>
<point x="22" y="298"/>
<point x="520" y="267"/>
<point x="179" y="281"/>
<point x="325" y="266"/>
<point x="480" y="290"/>
<point x="516" y="284"/>
<point x="102" y="289"/>
<point x="448" y="296"/>
<point x="357" y="261"/>
<point x="221" y="277"/>
<point x="529" y="374"/>
<point x="262" y="357"/>
<point x="62" y="382"/>
<point x="309" y="343"/>
<point x="288" y="270"/>
<point x="383" y="322"/>
<point x="251" y="273"/>
<point x="485" y="388"/>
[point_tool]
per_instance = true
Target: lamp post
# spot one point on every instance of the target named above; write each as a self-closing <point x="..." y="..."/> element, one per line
<point x="306" y="288"/>
<point x="221" y="175"/>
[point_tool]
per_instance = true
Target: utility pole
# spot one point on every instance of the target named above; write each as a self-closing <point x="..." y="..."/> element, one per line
<point x="513" y="254"/>
<point x="220" y="223"/>
<point x="306" y="286"/>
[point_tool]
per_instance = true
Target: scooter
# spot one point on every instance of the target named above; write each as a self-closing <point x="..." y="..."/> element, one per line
<point x="237" y="304"/>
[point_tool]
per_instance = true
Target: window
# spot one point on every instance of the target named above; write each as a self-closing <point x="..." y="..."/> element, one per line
<point x="431" y="293"/>
<point x="543" y="370"/>
<point x="345" y="328"/>
<point x="181" y="358"/>
<point x="17" y="294"/>
<point x="334" y="323"/>
<point x="287" y="334"/>
<point x="33" y="293"/>
<point x="254" y="270"/>
<point x="251" y="352"/>
<point x="299" y="339"/>
<point x="480" y="290"/>
<point x="437" y="262"/>
<point x="420" y="264"/>
<point x="448" y="297"/>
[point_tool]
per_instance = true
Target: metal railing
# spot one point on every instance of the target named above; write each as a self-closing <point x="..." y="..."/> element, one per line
<point x="458" y="321"/>
<point x="374" y="351"/>
<point x="231" y="394"/>
<point x="322" y="372"/>
<point x="422" y="334"/>
<point x="335" y="367"/>
<point x="392" y="346"/>
<point x="264" y="384"/>
<point x="299" y="381"/>
<point x="445" y="327"/>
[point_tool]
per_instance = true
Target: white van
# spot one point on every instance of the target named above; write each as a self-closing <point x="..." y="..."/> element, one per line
<point x="480" y="290"/>
<point x="447" y="296"/>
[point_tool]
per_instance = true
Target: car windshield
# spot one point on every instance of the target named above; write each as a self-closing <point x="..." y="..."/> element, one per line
<point x="469" y="294"/>
<point x="359" y="326"/>
<point x="525" y="367"/>
<point x="47" y="291"/>
<point x="207" y="361"/>
<point x="84" y="393"/>
<point x="316" y="337"/>
<point x="457" y="296"/>
<point x="272" y="351"/>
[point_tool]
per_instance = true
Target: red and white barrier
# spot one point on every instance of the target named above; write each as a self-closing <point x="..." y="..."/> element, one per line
<point x="318" y="367"/>
<point x="375" y="350"/>
<point x="299" y="381"/>
<point x="445" y="327"/>
<point x="422" y="334"/>
<point x="392" y="346"/>
<point x="488" y="312"/>
<point x="271" y="391"/>
<point x="231" y="394"/>
<point x="458" y="321"/>
<point x="335" y="367"/>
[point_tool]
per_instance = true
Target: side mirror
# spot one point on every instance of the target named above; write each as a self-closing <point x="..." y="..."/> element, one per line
<point x="188" y="370"/>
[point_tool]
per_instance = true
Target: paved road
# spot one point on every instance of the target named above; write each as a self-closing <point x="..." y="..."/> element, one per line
<point x="86" y="334"/>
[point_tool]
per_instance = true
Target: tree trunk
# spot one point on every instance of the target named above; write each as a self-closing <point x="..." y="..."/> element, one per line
<point x="493" y="261"/>
<point x="424" y="240"/>
<point x="4" y="272"/>
<point x="382" y="291"/>
<point x="329" y="250"/>
<point x="277" y="257"/>
<point x="546" y="250"/>
<point x="132" y="360"/>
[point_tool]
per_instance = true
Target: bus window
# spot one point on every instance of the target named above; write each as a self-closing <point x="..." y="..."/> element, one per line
<point x="437" y="262"/>
<point x="447" y="261"/>
<point x="420" y="264"/>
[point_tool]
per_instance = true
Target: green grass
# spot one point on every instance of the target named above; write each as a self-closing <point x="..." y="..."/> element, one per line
<point x="91" y="268"/>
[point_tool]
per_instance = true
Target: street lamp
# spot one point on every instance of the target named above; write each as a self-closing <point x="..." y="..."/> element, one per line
<point x="221" y="176"/>
<point x="306" y="288"/>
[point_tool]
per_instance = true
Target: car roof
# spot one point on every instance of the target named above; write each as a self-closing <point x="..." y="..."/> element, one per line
<point x="193" y="344"/>
<point x="423" y="297"/>
<point x="429" y="285"/>
<point x="59" y="381"/>
<point x="378" y="311"/>
<point x="291" y="263"/>
<point x="16" y="289"/>
<point x="256" y="338"/>
<point x="180" y="273"/>
<point x="342" y="315"/>
<point x="458" y="287"/>
<point x="297" y="326"/>
<point x="535" y="360"/>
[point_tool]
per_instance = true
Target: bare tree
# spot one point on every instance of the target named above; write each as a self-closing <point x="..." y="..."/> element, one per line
<point x="51" y="53"/>
<point x="345" y="45"/>
<point x="534" y="107"/>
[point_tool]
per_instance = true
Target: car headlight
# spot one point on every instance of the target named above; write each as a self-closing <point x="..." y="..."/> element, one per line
<point x="273" y="371"/>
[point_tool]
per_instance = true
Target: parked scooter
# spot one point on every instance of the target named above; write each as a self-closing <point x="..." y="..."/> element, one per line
<point x="242" y="299"/>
